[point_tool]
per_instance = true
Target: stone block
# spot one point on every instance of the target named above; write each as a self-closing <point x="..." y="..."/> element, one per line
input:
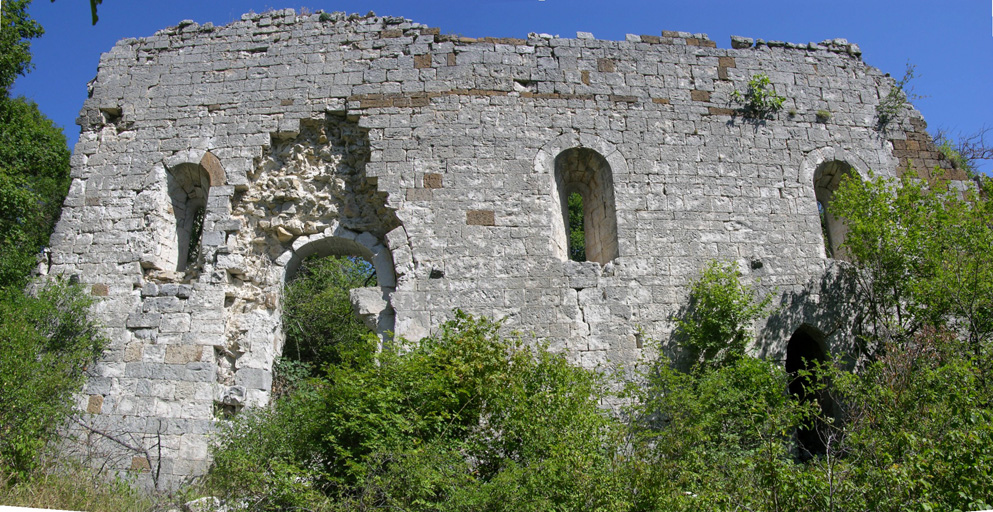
<point x="697" y="95"/>
<point x="95" y="404"/>
<point x="254" y="378"/>
<point x="202" y="372"/>
<point x="419" y="194"/>
<point x="182" y="354"/>
<point x="432" y="180"/>
<point x="480" y="218"/>
<point x="143" y="320"/>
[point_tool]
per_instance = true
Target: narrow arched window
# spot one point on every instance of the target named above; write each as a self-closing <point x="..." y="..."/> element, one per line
<point x="826" y="179"/>
<point x="189" y="187"/>
<point x="584" y="188"/>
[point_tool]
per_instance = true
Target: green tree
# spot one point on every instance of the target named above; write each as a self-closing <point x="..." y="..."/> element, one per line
<point x="46" y="344"/>
<point x="34" y="159"/>
<point x="46" y="339"/>
<point x="34" y="179"/>
<point x="916" y="429"/>
<point x="717" y="438"/>
<point x="920" y="257"/>
<point x="318" y="320"/>
<point x="17" y="29"/>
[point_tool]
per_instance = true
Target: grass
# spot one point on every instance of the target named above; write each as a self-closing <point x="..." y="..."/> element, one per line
<point x="74" y="487"/>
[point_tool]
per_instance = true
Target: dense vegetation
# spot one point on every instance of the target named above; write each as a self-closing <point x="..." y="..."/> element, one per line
<point x="318" y="319"/>
<point x="46" y="338"/>
<point x="470" y="420"/>
<point x="34" y="159"/>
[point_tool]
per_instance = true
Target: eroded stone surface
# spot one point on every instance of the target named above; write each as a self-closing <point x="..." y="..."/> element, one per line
<point x="435" y="158"/>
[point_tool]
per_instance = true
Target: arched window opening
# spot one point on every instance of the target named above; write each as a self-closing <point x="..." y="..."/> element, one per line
<point x="320" y="323"/>
<point x="189" y="187"/>
<point x="370" y="271"/>
<point x="577" y="229"/>
<point x="584" y="189"/>
<point x="803" y="352"/>
<point x="826" y="179"/>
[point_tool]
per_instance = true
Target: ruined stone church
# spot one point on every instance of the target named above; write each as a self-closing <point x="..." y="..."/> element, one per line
<point x="213" y="160"/>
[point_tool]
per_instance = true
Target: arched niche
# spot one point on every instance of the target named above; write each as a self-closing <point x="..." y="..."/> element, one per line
<point x="804" y="351"/>
<point x="827" y="177"/>
<point x="586" y="172"/>
<point x="188" y="187"/>
<point x="584" y="164"/>
<point x="371" y="304"/>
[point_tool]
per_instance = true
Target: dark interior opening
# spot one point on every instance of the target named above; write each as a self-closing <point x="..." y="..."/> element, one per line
<point x="803" y="352"/>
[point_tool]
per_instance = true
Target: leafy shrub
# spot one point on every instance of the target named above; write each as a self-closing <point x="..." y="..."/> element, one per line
<point x="954" y="155"/>
<point x="718" y="323"/>
<point x="34" y="179"/>
<point x="920" y="256"/>
<point x="716" y="438"/>
<point x="46" y="344"/>
<point x="465" y="419"/>
<point x="760" y="101"/>
<point x="896" y="99"/>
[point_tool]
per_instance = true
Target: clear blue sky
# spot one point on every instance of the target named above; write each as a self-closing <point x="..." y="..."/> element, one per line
<point x="949" y="41"/>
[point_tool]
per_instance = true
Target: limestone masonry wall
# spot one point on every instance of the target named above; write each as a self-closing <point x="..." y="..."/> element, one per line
<point x="213" y="159"/>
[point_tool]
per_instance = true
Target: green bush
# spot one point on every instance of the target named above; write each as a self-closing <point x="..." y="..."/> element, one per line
<point x="718" y="322"/>
<point x="760" y="101"/>
<point x="919" y="428"/>
<point x="46" y="344"/>
<point x="920" y="256"/>
<point x="716" y="438"/>
<point x="465" y="420"/>
<point x="34" y="179"/>
<point x="897" y="99"/>
<point x="318" y="320"/>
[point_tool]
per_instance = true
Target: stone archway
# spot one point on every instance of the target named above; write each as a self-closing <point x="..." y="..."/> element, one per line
<point x="371" y="304"/>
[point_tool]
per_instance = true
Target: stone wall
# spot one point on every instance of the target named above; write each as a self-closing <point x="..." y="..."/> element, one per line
<point x="444" y="161"/>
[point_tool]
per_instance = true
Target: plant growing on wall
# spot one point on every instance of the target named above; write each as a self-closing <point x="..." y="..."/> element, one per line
<point x="760" y="101"/>
<point x="898" y="98"/>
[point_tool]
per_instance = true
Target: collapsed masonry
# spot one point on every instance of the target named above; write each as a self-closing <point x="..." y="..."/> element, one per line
<point x="213" y="160"/>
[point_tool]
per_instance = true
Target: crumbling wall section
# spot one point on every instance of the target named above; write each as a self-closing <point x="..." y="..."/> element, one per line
<point x="433" y="156"/>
